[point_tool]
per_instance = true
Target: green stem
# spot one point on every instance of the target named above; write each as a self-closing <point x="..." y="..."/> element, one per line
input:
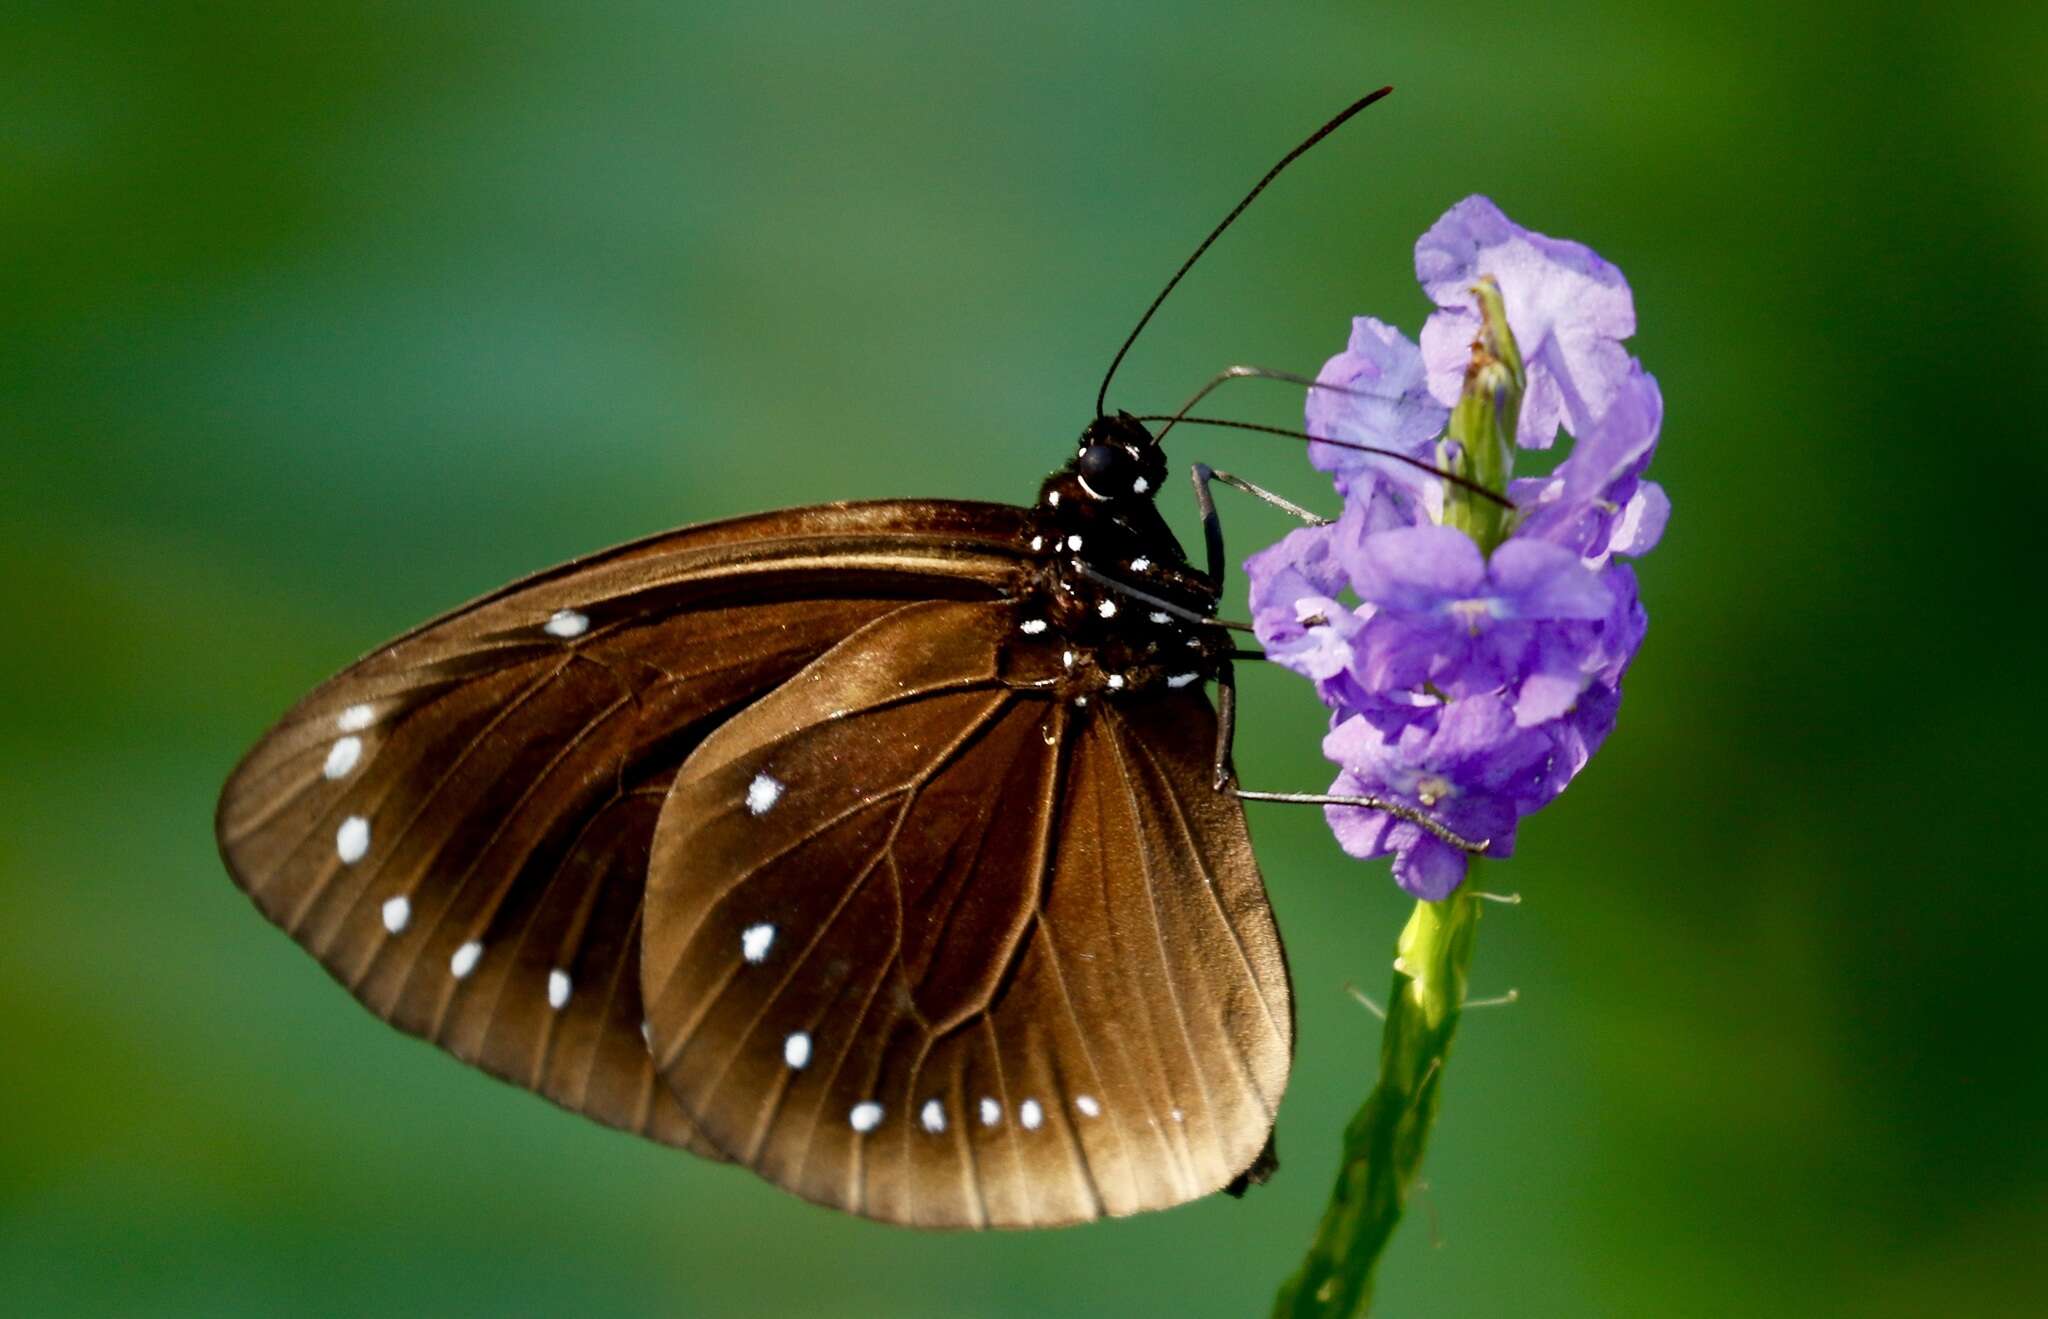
<point x="1384" y="1143"/>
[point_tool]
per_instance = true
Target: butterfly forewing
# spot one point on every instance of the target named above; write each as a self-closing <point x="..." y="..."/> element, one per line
<point x="458" y="826"/>
<point x="925" y="943"/>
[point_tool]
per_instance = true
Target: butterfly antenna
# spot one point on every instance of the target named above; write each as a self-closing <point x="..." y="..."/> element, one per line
<point x="1420" y="465"/>
<point x="1230" y="373"/>
<point x="1332" y="126"/>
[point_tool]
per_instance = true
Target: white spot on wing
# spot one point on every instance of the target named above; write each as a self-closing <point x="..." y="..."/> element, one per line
<point x="1177" y="1115"/>
<point x="1066" y="659"/>
<point x="1160" y="616"/>
<point x="1053" y="497"/>
<point x="558" y="989"/>
<point x="1140" y="486"/>
<point x="1030" y="1114"/>
<point x="991" y="1112"/>
<point x="1073" y="542"/>
<point x="1032" y="626"/>
<point x="355" y="719"/>
<point x="465" y="959"/>
<point x="762" y="793"/>
<point x="1038" y="542"/>
<point x="1087" y="1105"/>
<point x="1140" y="564"/>
<point x="352" y="840"/>
<point x="866" y="1115"/>
<point x="755" y="941"/>
<point x="1116" y="682"/>
<point x="796" y="1050"/>
<point x="1107" y="609"/>
<point x="397" y="912"/>
<point x="932" y="1117"/>
<point x="566" y="623"/>
<point x="342" y="757"/>
<point x="1183" y="679"/>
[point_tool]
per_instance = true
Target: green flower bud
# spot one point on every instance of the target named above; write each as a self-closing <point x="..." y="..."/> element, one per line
<point x="1479" y="443"/>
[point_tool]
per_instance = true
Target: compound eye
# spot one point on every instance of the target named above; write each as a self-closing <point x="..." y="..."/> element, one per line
<point x="1106" y="469"/>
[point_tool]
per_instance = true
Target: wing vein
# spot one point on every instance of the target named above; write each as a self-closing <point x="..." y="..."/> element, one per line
<point x="496" y="899"/>
<point x="908" y="791"/>
<point x="1166" y="975"/>
<point x="1079" y="1152"/>
<point x="330" y="871"/>
<point x="1179" y="816"/>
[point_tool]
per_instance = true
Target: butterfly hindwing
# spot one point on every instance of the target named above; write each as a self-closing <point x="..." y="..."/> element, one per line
<point x="926" y="944"/>
<point x="458" y="826"/>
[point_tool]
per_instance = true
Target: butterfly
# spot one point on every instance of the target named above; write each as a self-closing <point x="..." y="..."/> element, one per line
<point x="877" y="847"/>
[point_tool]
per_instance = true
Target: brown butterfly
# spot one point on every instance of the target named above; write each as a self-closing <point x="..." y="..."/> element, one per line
<point x="878" y="847"/>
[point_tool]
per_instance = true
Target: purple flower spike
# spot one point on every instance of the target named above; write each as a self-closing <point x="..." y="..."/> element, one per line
<point x="1472" y="663"/>
<point x="1569" y="311"/>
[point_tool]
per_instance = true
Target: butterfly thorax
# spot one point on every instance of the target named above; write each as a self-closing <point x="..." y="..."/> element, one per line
<point x="1111" y="609"/>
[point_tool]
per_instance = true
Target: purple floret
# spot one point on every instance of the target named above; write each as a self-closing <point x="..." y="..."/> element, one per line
<point x="1568" y="308"/>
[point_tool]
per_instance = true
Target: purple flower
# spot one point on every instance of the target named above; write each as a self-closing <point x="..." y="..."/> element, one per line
<point x="1596" y="502"/>
<point x="1384" y="402"/>
<point x="1448" y="619"/>
<point x="1466" y="765"/>
<point x="1569" y="311"/>
<point x="1471" y="687"/>
<point x="1295" y="612"/>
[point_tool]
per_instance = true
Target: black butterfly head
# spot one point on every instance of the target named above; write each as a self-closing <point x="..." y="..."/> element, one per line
<point x="1118" y="460"/>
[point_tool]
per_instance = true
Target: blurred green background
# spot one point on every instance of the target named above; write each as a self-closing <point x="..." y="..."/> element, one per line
<point x="321" y="318"/>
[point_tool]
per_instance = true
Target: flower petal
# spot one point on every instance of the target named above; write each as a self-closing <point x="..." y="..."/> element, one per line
<point x="1385" y="399"/>
<point x="1536" y="579"/>
<point x="1416" y="568"/>
<point x="1429" y="868"/>
<point x="1546" y="696"/>
<point x="1579" y="505"/>
<point x="1640" y="524"/>
<point x="1303" y="562"/>
<point x="1381" y="399"/>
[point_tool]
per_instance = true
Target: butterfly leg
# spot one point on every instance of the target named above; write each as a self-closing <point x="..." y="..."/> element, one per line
<point x="1226" y="775"/>
<point x="1212" y="539"/>
<point x="1226" y="725"/>
<point x="1369" y="803"/>
<point x="1212" y="525"/>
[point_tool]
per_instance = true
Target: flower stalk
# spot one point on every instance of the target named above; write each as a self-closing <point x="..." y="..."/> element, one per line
<point x="1384" y="1143"/>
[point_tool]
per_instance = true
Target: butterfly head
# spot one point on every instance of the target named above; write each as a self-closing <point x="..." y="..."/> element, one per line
<point x="1118" y="460"/>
